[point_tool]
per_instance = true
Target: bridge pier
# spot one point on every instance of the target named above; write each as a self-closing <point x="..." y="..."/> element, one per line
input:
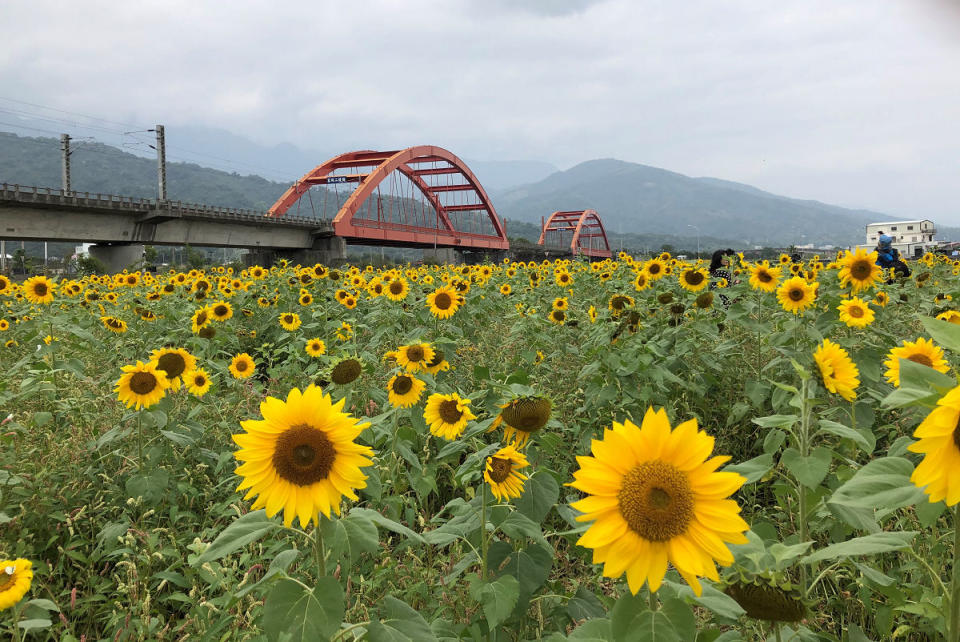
<point x="330" y="250"/>
<point x="118" y="256"/>
<point x="442" y="255"/>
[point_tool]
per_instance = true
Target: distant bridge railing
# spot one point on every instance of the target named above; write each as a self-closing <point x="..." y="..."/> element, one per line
<point x="50" y="197"/>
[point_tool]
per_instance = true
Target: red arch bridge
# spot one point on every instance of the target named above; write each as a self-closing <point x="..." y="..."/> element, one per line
<point x="582" y="227"/>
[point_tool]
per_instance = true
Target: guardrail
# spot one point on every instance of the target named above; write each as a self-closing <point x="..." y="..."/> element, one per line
<point x="62" y="198"/>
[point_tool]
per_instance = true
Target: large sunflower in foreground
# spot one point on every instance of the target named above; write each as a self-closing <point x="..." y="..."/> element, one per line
<point x="443" y="302"/>
<point x="859" y="270"/>
<point x="500" y="471"/>
<point x="856" y="312"/>
<point x="15" y="577"/>
<point x="922" y="351"/>
<point x="796" y="295"/>
<point x="141" y="385"/>
<point x="840" y="374"/>
<point x="654" y="498"/>
<point x="39" y="289"/>
<point x="447" y="415"/>
<point x="301" y="457"/>
<point x="939" y="434"/>
<point x="763" y="277"/>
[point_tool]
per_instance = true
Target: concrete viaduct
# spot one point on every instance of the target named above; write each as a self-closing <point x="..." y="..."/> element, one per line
<point x="121" y="226"/>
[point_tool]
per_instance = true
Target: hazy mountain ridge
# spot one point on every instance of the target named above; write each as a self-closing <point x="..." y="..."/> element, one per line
<point x="646" y="199"/>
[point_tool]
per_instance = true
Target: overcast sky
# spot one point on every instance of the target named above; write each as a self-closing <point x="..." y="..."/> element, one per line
<point x="855" y="103"/>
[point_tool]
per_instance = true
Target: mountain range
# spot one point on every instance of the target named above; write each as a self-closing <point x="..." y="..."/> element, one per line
<point x="646" y="205"/>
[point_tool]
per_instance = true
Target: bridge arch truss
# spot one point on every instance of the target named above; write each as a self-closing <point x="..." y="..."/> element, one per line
<point x="422" y="196"/>
<point x="583" y="227"/>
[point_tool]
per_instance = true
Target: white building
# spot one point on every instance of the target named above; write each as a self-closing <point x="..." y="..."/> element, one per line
<point x="911" y="238"/>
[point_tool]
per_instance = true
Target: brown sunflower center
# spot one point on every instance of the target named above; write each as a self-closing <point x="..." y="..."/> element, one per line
<point x="241" y="365"/>
<point x="795" y="294"/>
<point x="656" y="501"/>
<point x="500" y="469"/>
<point x="8" y="576"/>
<point x="143" y="383"/>
<point x="396" y="287"/>
<point x="449" y="412"/>
<point x="956" y="434"/>
<point x="764" y="277"/>
<point x="199" y="381"/>
<point x="346" y="371"/>
<point x="303" y="455"/>
<point x="402" y="385"/>
<point x="765" y="602"/>
<point x="922" y="359"/>
<point x="694" y="278"/>
<point x="855" y="311"/>
<point x="618" y="302"/>
<point x="220" y="310"/>
<point x="654" y="268"/>
<point x="172" y="363"/>
<point x="288" y="318"/>
<point x="559" y="315"/>
<point x="40" y="289"/>
<point x="442" y="301"/>
<point x="114" y="323"/>
<point x="437" y="359"/>
<point x="201" y="318"/>
<point x="415" y="353"/>
<point x="860" y="270"/>
<point x="528" y="415"/>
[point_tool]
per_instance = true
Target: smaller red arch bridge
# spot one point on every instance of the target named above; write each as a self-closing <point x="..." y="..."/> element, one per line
<point x="588" y="236"/>
<point x="422" y="196"/>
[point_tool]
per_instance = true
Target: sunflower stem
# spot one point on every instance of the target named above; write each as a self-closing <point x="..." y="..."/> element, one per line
<point x="318" y="550"/>
<point x="140" y="440"/>
<point x="652" y="599"/>
<point x="483" y="528"/>
<point x="16" y="622"/>
<point x="776" y="631"/>
<point x="954" y="632"/>
<point x="804" y="447"/>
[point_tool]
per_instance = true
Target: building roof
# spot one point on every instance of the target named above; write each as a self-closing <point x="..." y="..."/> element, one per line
<point x="918" y="220"/>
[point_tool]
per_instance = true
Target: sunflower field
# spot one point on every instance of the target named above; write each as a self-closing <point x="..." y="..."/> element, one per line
<point x="631" y="449"/>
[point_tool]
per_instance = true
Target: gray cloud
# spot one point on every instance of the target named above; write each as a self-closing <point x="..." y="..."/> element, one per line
<point x="853" y="103"/>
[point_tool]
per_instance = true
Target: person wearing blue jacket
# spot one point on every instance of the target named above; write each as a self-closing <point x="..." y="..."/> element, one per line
<point x="889" y="257"/>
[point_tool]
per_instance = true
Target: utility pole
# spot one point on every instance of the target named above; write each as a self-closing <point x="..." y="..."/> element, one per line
<point x="161" y="163"/>
<point x="65" y="156"/>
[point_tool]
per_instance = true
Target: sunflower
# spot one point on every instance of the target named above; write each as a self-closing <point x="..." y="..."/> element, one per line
<point x="500" y="472"/>
<point x="939" y="442"/>
<point x="592" y="313"/>
<point x="859" y="269"/>
<point x="305" y="299"/>
<point x="618" y="303"/>
<point x="655" y="269"/>
<point x="704" y="300"/>
<point x="39" y="289"/>
<point x="922" y="351"/>
<point x="345" y="371"/>
<point x="557" y="317"/>
<point x="415" y="356"/>
<point x="290" y="321"/>
<point x="15" y="577"/>
<point x="242" y="366"/>
<point x="174" y="362"/>
<point x="443" y="302"/>
<point x="563" y="279"/>
<point x="11" y="343"/>
<point x="4" y="325"/>
<point x="436" y="364"/>
<point x="521" y="417"/>
<point x="404" y="390"/>
<point x="560" y="303"/>
<point x="142" y="385"/>
<point x="114" y="324"/>
<point x="950" y="316"/>
<point x="505" y="289"/>
<point x="220" y="311"/>
<point x="855" y="312"/>
<point x="766" y="601"/>
<point x="201" y="319"/>
<point x="796" y="295"/>
<point x="447" y="415"/>
<point x="349" y="301"/>
<point x="197" y="382"/>
<point x="301" y="457"/>
<point x="315" y="347"/>
<point x="654" y="498"/>
<point x="763" y="277"/>
<point x="641" y="281"/>
<point x="5" y="284"/>
<point x="839" y="372"/>
<point x="397" y="289"/>
<point x="694" y="279"/>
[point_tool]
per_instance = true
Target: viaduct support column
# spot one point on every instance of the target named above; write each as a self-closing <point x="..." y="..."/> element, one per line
<point x="442" y="255"/>
<point x="120" y="256"/>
